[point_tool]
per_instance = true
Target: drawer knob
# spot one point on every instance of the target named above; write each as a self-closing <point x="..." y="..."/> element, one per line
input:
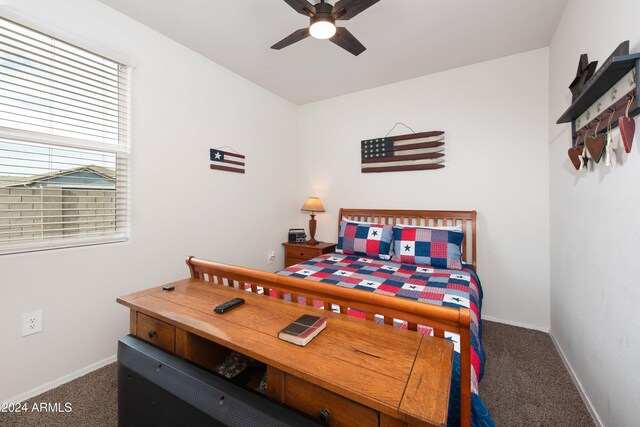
<point x="301" y="253"/>
<point x="152" y="334"/>
<point x="324" y="416"/>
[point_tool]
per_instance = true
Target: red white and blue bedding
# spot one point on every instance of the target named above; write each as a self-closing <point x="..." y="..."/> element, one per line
<point x="451" y="288"/>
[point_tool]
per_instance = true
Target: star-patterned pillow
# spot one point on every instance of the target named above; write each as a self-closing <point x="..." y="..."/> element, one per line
<point x="437" y="248"/>
<point x="372" y="240"/>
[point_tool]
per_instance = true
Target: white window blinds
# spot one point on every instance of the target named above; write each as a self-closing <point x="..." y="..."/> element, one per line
<point x="63" y="143"/>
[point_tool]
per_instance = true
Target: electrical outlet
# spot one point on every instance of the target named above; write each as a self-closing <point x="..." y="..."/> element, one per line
<point x="271" y="256"/>
<point x="31" y="323"/>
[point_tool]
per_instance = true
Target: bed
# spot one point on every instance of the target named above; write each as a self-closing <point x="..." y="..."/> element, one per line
<point x="458" y="289"/>
<point x="439" y="301"/>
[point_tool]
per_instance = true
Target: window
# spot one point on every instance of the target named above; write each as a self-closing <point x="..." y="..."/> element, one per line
<point x="63" y="143"/>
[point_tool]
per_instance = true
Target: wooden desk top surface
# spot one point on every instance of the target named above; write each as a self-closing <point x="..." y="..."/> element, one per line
<point x="395" y="371"/>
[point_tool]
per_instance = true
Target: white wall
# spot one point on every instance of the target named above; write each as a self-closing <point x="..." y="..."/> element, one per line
<point x="595" y="223"/>
<point x="495" y="115"/>
<point x="183" y="104"/>
<point x="495" y="118"/>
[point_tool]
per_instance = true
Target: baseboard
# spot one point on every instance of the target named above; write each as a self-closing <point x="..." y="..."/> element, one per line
<point x="576" y="381"/>
<point x="512" y="323"/>
<point x="64" y="379"/>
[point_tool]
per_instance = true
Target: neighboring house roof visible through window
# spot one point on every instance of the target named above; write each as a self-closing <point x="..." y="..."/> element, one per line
<point x="81" y="177"/>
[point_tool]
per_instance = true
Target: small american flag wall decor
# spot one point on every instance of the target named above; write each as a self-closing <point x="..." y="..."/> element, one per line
<point x="415" y="151"/>
<point x="226" y="161"/>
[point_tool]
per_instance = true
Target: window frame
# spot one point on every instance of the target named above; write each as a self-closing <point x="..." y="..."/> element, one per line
<point x="121" y="150"/>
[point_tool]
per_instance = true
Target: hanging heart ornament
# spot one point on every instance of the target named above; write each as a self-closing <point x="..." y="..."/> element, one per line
<point x="627" y="127"/>
<point x="627" y="130"/>
<point x="575" y="155"/>
<point x="596" y="146"/>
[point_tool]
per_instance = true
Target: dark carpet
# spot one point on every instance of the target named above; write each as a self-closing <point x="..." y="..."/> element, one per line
<point x="525" y="384"/>
<point x="93" y="400"/>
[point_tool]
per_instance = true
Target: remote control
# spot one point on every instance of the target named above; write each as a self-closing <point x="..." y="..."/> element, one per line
<point x="229" y="305"/>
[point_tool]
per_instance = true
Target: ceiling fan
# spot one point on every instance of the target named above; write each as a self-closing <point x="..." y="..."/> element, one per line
<point x="323" y="23"/>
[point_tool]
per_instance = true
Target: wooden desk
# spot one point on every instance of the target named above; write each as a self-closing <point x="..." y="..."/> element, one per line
<point x="362" y="372"/>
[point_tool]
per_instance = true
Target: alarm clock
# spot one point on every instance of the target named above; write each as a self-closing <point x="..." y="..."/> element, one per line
<point x="297" y="235"/>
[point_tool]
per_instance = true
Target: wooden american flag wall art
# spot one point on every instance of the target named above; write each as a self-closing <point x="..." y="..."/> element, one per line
<point x="415" y="151"/>
<point x="226" y="161"/>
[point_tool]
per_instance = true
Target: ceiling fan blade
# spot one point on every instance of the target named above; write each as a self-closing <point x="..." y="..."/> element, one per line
<point x="303" y="7"/>
<point x="347" y="9"/>
<point x="296" y="36"/>
<point x="347" y="41"/>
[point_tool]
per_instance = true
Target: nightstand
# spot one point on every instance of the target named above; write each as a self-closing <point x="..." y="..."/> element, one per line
<point x="295" y="253"/>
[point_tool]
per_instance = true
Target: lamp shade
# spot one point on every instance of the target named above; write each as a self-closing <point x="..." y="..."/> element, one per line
<point x="312" y="204"/>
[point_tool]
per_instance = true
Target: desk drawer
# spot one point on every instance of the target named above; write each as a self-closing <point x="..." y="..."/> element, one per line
<point x="311" y="400"/>
<point x="302" y="253"/>
<point x="156" y="332"/>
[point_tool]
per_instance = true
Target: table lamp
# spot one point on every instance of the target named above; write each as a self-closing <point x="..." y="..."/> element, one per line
<point x="313" y="205"/>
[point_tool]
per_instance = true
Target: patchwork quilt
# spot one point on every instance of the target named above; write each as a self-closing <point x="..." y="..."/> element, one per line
<point x="450" y="288"/>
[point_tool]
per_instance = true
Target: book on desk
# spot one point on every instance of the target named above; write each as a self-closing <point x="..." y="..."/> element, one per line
<point x="303" y="329"/>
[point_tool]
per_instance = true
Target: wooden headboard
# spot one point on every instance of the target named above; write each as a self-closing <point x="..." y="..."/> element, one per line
<point x="424" y="218"/>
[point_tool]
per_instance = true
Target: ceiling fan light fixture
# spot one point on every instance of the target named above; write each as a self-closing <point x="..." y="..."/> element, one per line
<point x="323" y="23"/>
<point x="322" y="28"/>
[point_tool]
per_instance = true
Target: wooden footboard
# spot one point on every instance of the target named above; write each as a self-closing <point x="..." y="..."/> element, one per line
<point x="441" y="319"/>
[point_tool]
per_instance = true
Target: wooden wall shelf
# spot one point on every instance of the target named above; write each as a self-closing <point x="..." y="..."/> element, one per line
<point x="604" y="80"/>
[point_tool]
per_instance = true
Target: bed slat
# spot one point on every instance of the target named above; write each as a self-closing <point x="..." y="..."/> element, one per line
<point x="465" y="369"/>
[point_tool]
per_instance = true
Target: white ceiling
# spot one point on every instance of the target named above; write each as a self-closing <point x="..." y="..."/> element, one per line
<point x="404" y="39"/>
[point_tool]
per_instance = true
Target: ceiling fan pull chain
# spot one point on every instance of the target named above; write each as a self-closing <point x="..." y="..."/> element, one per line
<point x="394" y="126"/>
